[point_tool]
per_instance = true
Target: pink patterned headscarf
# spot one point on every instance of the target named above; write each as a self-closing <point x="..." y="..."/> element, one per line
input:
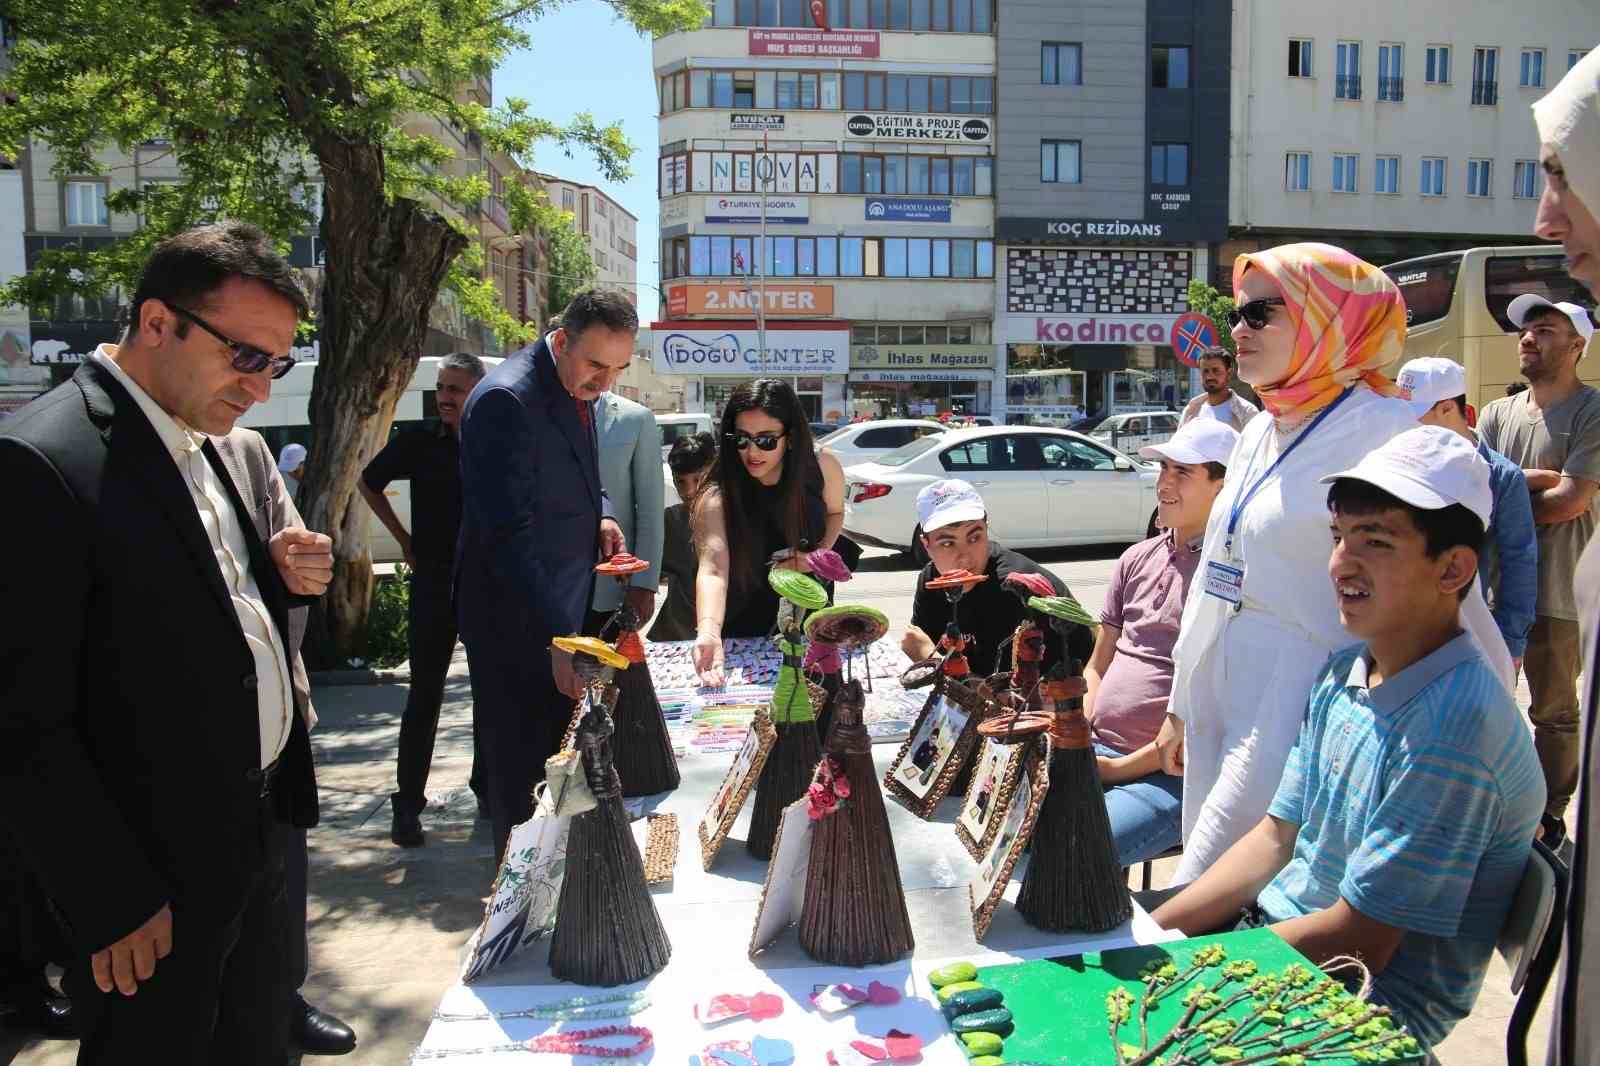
<point x="1349" y="320"/>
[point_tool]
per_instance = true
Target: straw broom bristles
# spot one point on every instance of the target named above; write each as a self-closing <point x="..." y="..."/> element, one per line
<point x="643" y="750"/>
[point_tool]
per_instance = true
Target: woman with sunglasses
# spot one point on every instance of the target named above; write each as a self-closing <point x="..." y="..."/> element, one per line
<point x="1313" y="326"/>
<point x="769" y="498"/>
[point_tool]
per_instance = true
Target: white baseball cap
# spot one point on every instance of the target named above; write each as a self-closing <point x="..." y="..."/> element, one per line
<point x="291" y="457"/>
<point x="944" y="503"/>
<point x="1528" y="302"/>
<point x="1200" y="440"/>
<point x="1424" y="382"/>
<point x="1428" y="467"/>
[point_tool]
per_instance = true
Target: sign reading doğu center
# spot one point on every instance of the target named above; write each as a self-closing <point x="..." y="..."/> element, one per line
<point x="702" y="348"/>
<point x="789" y="210"/>
<point x="903" y="209"/>
<point x="740" y="300"/>
<point x="896" y="127"/>
<point x="841" y="44"/>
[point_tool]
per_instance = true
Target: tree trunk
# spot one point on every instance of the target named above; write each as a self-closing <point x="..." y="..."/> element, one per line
<point x="386" y="261"/>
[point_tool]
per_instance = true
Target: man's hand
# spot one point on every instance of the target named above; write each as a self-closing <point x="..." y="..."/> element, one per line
<point x="133" y="958"/>
<point x="566" y="677"/>
<point x="611" y="539"/>
<point x="1169" y="742"/>
<point x="916" y="644"/>
<point x="643" y="602"/>
<point x="304" y="559"/>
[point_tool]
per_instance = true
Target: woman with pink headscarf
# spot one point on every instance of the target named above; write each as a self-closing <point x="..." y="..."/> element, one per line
<point x="1313" y="326"/>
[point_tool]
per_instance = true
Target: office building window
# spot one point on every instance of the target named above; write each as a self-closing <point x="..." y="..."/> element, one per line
<point x="1386" y="175"/>
<point x="1297" y="171"/>
<point x="1169" y="67"/>
<point x="1532" y="70"/>
<point x="1059" y="162"/>
<point x="1391" y="72"/>
<point x="1344" y="172"/>
<point x="1432" y="176"/>
<point x="1299" y="57"/>
<point x="1061" y="64"/>
<point x="86" y="203"/>
<point x="1169" y="165"/>
<point x="1485" y="76"/>
<point x="1347" y="83"/>
<point x="1438" y="72"/>
<point x="1525" y="179"/>
<point x="1575" y="54"/>
<point x="1479" y="182"/>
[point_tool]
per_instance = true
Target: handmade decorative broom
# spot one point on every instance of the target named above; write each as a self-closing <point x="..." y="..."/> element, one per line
<point x="794" y="755"/>
<point x="607" y="929"/>
<point x="1073" y="881"/>
<point x="821" y="665"/>
<point x="855" y="906"/>
<point x="644" y="756"/>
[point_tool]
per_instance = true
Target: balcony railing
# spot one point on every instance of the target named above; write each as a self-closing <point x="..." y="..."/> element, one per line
<point x="1347" y="87"/>
<point x="1486" y="93"/>
<point x="1392" y="89"/>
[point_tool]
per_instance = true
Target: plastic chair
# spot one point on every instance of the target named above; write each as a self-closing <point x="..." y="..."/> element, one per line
<point x="1530" y="942"/>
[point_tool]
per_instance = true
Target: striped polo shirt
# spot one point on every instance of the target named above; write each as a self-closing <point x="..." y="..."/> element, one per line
<point x="1416" y="802"/>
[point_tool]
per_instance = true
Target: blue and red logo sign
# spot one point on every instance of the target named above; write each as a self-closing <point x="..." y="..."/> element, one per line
<point x="1192" y="335"/>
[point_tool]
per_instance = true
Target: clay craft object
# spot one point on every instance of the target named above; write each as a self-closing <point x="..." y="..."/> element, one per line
<point x="644" y="757"/>
<point x="855" y="905"/>
<point x="796" y="749"/>
<point x="607" y="929"/>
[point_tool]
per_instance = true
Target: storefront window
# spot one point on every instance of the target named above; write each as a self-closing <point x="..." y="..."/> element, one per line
<point x="783" y="257"/>
<point x="721" y="256"/>
<point x="919" y="399"/>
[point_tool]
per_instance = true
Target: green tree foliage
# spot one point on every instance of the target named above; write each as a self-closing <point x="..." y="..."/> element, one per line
<point x="1215" y="306"/>
<point x="570" y="265"/>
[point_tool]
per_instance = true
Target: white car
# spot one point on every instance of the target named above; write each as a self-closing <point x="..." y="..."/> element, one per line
<point x="862" y="442"/>
<point x="673" y="426"/>
<point x="1130" y="432"/>
<point x="1043" y="487"/>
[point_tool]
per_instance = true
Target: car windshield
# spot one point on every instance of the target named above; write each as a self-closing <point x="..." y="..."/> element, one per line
<point x="907" y="452"/>
<point x="835" y="435"/>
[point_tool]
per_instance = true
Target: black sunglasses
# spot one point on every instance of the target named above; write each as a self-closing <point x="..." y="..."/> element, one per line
<point x="1255" y="313"/>
<point x="767" y="442"/>
<point x="247" y="358"/>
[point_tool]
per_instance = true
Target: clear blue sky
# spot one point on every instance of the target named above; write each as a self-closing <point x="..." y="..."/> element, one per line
<point x="584" y="59"/>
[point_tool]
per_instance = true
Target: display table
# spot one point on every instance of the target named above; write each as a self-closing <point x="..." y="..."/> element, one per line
<point x="710" y="914"/>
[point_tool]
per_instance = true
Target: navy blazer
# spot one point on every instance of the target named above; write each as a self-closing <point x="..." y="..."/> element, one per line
<point x="531" y="505"/>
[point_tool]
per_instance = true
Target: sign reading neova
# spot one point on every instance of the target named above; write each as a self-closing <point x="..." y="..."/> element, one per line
<point x="683" y="349"/>
<point x="905" y="209"/>
<point x="896" y="127"/>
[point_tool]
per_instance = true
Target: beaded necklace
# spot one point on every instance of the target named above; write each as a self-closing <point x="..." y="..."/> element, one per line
<point x="612" y="1005"/>
<point x="571" y="1043"/>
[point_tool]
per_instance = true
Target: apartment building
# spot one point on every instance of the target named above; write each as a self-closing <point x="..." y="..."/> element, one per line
<point x="611" y="230"/>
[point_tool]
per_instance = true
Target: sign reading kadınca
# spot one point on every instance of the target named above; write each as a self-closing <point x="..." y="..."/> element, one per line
<point x="839" y="44"/>
<point x="702" y="348"/>
<point x="887" y="126"/>
<point x="740" y="300"/>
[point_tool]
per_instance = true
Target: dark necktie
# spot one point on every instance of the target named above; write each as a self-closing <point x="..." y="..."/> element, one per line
<point x="586" y="418"/>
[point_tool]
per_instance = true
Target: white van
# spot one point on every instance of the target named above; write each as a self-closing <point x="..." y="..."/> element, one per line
<point x="284" y="418"/>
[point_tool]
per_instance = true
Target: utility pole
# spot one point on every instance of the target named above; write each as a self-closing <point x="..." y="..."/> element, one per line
<point x="764" y="174"/>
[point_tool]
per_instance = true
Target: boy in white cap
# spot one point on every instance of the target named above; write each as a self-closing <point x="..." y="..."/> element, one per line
<point x="1403" y="822"/>
<point x="1436" y="389"/>
<point x="1130" y="673"/>
<point x="955" y="533"/>
<point x="1552" y="431"/>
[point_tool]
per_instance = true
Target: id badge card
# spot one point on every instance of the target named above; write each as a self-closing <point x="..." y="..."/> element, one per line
<point x="1225" y="582"/>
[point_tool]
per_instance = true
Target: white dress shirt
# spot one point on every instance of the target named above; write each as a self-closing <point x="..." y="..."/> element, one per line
<point x="274" y="696"/>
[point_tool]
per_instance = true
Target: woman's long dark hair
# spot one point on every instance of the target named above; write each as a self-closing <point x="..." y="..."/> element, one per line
<point x="746" y="564"/>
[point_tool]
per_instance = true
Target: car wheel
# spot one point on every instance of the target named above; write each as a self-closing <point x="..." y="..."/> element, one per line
<point x="1155" y="526"/>
<point x="917" y="553"/>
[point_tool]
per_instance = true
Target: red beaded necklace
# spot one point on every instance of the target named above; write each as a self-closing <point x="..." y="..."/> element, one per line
<point x="572" y="1043"/>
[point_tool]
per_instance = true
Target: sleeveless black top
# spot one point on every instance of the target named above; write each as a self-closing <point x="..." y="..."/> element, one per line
<point x="753" y="609"/>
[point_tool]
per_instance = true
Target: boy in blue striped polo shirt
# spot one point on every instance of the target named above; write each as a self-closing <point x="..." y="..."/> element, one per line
<point x="1406" y="813"/>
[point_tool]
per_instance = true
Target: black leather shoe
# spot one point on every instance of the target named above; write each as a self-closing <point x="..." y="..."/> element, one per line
<point x="39" y="1010"/>
<point x="406" y="830"/>
<point x="319" y="1033"/>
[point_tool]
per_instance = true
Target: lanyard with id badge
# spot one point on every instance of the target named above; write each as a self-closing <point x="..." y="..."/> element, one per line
<point x="1224" y="579"/>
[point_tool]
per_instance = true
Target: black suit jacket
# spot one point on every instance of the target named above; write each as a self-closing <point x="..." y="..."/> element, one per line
<point x="129" y="728"/>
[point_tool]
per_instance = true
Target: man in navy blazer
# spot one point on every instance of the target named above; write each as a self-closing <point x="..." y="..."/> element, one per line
<point x="534" y="522"/>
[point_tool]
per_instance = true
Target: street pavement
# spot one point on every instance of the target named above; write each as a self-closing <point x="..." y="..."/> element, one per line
<point x="387" y="925"/>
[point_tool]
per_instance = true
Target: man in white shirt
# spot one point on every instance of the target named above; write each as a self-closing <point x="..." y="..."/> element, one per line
<point x="1219" y="401"/>
<point x="152" y="743"/>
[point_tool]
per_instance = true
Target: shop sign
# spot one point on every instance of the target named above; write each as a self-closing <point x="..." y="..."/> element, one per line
<point x="1091" y="329"/>
<point x="740" y="300"/>
<point x="695" y="348"/>
<point x="838" y="44"/>
<point x="675" y="212"/>
<point x="1180" y="229"/>
<point x="896" y="127"/>
<point x="920" y="375"/>
<point x="788" y="210"/>
<point x="754" y="121"/>
<point x="905" y="209"/>
<point x="923" y="356"/>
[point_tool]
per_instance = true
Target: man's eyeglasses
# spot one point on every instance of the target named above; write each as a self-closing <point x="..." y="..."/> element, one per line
<point x="1255" y="313"/>
<point x="247" y="358"/>
<point x="767" y="442"/>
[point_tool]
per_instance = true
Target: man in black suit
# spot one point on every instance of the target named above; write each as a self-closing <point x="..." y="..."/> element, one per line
<point x="534" y="522"/>
<point x="151" y="740"/>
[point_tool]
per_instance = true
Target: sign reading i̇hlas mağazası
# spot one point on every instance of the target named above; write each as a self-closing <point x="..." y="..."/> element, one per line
<point x="898" y="127"/>
<point x="695" y="348"/>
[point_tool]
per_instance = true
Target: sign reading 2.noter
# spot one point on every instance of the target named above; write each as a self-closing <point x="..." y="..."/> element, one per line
<point x="897" y="127"/>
